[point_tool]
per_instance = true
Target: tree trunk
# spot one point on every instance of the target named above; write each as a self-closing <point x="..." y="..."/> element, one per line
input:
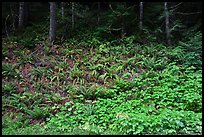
<point x="123" y="31"/>
<point x="13" y="16"/>
<point x="122" y="27"/>
<point x="72" y="15"/>
<point x="21" y="14"/>
<point x="6" y="29"/>
<point x="167" y="23"/>
<point x="52" y="22"/>
<point x="98" y="19"/>
<point x="141" y="15"/>
<point x="62" y="10"/>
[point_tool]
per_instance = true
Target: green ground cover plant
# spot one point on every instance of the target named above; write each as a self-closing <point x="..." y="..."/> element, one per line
<point x="126" y="100"/>
<point x="95" y="83"/>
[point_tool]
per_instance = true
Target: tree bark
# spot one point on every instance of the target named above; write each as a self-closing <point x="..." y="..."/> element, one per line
<point x="13" y="16"/>
<point x="166" y="12"/>
<point x="141" y="16"/>
<point x="21" y="14"/>
<point x="62" y="9"/>
<point x="6" y="29"/>
<point x="98" y="19"/>
<point x="52" y="22"/>
<point x="72" y="15"/>
<point x="123" y="32"/>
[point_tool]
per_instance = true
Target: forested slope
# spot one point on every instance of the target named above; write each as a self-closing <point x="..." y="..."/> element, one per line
<point x="106" y="73"/>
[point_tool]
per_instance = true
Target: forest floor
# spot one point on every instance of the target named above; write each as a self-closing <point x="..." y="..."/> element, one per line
<point x="99" y="87"/>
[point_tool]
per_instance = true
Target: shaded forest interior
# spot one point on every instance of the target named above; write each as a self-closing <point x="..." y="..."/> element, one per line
<point x="132" y="68"/>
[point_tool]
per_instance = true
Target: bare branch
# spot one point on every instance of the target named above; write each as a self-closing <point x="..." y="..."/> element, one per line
<point x="114" y="29"/>
<point x="112" y="9"/>
<point x="188" y="13"/>
<point x="175" y="5"/>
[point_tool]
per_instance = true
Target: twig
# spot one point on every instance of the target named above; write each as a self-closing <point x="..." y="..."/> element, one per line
<point x="175" y="5"/>
<point x="114" y="29"/>
<point x="113" y="10"/>
<point x="188" y="13"/>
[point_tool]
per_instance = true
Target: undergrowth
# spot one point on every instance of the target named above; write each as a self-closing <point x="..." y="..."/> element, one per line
<point x="93" y="86"/>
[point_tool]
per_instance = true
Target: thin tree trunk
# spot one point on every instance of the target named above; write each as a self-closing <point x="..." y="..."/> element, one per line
<point x="52" y="22"/>
<point x="21" y="14"/>
<point x="62" y="9"/>
<point x="98" y="19"/>
<point x="167" y="23"/>
<point x="6" y="29"/>
<point x="72" y="15"/>
<point x="13" y="19"/>
<point x="122" y="27"/>
<point x="123" y="32"/>
<point x="141" y="16"/>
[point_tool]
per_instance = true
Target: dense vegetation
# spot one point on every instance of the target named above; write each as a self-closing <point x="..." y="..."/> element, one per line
<point x="96" y="82"/>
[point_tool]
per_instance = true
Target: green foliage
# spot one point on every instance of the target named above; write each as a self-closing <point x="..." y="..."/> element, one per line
<point x="38" y="112"/>
<point x="193" y="50"/>
<point x="152" y="103"/>
<point x="36" y="129"/>
<point x="9" y="88"/>
<point x="19" y="120"/>
<point x="28" y="42"/>
<point x="129" y="117"/>
<point x="176" y="54"/>
<point x="97" y="84"/>
<point x="9" y="70"/>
